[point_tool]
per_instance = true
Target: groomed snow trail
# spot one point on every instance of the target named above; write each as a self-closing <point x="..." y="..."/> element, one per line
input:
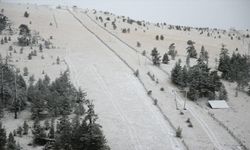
<point x="129" y="119"/>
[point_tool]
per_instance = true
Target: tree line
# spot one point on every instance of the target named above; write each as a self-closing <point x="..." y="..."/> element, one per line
<point x="46" y="99"/>
<point x="13" y="88"/>
<point x="235" y="68"/>
<point x="199" y="80"/>
<point x="3" y="22"/>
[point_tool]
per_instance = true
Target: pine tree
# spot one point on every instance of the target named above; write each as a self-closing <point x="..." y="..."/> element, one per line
<point x="165" y="59"/>
<point x="191" y="49"/>
<point x="176" y="74"/>
<point x="188" y="61"/>
<point x="202" y="53"/>
<point x="52" y="130"/>
<point x="224" y="63"/>
<point x="155" y="57"/>
<point x="19" y="131"/>
<point x="5" y="40"/>
<point x="3" y="138"/>
<point x="25" y="71"/>
<point x="26" y="14"/>
<point x="215" y="81"/>
<point x="57" y="60"/>
<point x="11" y="144"/>
<point x="172" y="52"/>
<point x="206" y="57"/>
<point x="193" y="94"/>
<point x="248" y="90"/>
<point x="162" y="37"/>
<point x="223" y="93"/>
<point x="46" y="124"/>
<point x="38" y="133"/>
<point x="40" y="47"/>
<point x="25" y="128"/>
<point x="157" y="37"/>
<point x="38" y="103"/>
<point x="138" y="44"/>
<point x="79" y="110"/>
<point x="91" y="117"/>
<point x="96" y="138"/>
<point x="185" y="76"/>
<point x="64" y="132"/>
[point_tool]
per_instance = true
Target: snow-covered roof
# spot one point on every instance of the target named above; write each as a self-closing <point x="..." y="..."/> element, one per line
<point x="218" y="104"/>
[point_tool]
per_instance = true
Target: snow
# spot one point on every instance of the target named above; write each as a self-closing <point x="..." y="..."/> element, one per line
<point x="102" y="64"/>
<point x="218" y="104"/>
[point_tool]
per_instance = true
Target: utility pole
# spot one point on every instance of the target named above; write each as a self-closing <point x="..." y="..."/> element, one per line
<point x="176" y="106"/>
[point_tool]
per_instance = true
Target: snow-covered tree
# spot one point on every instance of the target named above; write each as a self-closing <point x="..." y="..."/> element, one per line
<point x="3" y="138"/>
<point x="165" y="59"/>
<point x="155" y="57"/>
<point x="191" y="49"/>
<point x="38" y="133"/>
<point x="171" y="51"/>
<point x="223" y="93"/>
<point x="176" y="74"/>
<point x="25" y="128"/>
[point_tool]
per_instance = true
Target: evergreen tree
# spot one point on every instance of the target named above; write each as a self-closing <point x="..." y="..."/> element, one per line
<point x="193" y="94"/>
<point x="3" y="138"/>
<point x="5" y="40"/>
<point x="165" y="59"/>
<point x="26" y="14"/>
<point x="155" y="57"/>
<point x="171" y="51"/>
<point x="38" y="133"/>
<point x="79" y="110"/>
<point x="202" y="53"/>
<point x="162" y="37"/>
<point x="96" y="138"/>
<point x="57" y="60"/>
<point x="188" y="61"/>
<point x="176" y="74"/>
<point x="215" y="81"/>
<point x="52" y="129"/>
<point x="80" y="135"/>
<point x="206" y="57"/>
<point x="64" y="132"/>
<point x="24" y="33"/>
<point x="157" y="37"/>
<point x="191" y="49"/>
<point x="40" y="47"/>
<point x="38" y="103"/>
<point x="138" y="44"/>
<point x="25" y="128"/>
<point x="25" y="71"/>
<point x="224" y="63"/>
<point x="46" y="124"/>
<point x="19" y="131"/>
<point x="248" y="90"/>
<point x="223" y="93"/>
<point x="11" y="144"/>
<point x="185" y="76"/>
